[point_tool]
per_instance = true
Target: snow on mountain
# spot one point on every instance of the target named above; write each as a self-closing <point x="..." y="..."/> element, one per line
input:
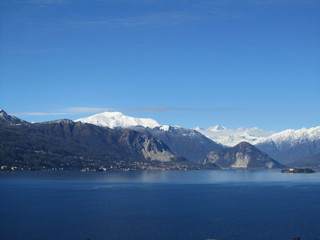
<point x="168" y="128"/>
<point x="216" y="128"/>
<point x="292" y="137"/>
<point x="165" y="128"/>
<point x="117" y="119"/>
<point x="231" y="137"/>
<point x="292" y="146"/>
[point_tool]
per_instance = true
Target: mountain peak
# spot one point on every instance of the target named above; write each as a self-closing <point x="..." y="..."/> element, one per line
<point x="9" y="119"/>
<point x="118" y="119"/>
<point x="3" y="113"/>
<point x="197" y="128"/>
<point x="111" y="114"/>
<point x="217" y="127"/>
<point x="244" y="145"/>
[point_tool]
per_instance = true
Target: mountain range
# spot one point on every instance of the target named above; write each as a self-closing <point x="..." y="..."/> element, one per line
<point x="289" y="147"/>
<point x="65" y="144"/>
<point x="111" y="138"/>
<point x="231" y="137"/>
<point x="292" y="147"/>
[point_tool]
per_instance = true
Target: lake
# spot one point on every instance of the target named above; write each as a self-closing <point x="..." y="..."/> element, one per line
<point x="171" y="205"/>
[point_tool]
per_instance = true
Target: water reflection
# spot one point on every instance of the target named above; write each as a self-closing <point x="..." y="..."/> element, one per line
<point x="180" y="177"/>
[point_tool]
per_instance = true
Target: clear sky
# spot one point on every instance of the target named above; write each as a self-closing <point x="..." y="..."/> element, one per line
<point x="182" y="62"/>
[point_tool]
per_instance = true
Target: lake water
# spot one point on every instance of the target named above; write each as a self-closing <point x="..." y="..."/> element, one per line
<point x="168" y="205"/>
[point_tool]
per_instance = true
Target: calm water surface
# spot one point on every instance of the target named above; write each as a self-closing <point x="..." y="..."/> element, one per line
<point x="213" y="204"/>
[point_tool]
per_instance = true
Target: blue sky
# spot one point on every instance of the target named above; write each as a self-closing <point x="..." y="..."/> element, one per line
<point x="182" y="62"/>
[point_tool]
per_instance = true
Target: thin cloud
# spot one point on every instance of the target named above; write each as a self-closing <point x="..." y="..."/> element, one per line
<point x="155" y="19"/>
<point x="75" y="110"/>
<point x="223" y="109"/>
<point x="80" y="110"/>
<point x="156" y="109"/>
<point x="93" y="110"/>
<point x="41" y="114"/>
<point x="67" y="111"/>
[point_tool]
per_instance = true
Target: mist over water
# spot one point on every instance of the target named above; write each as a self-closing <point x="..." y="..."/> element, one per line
<point x="218" y="204"/>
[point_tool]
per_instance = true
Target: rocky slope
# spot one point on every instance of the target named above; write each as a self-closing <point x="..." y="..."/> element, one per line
<point x="184" y="142"/>
<point x="243" y="155"/>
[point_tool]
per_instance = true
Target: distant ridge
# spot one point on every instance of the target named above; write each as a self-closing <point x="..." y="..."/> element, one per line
<point x="231" y="137"/>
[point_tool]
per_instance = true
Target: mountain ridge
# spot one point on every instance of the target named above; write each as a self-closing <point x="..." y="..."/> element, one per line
<point x="184" y="142"/>
<point x="10" y="119"/>
<point x="291" y="146"/>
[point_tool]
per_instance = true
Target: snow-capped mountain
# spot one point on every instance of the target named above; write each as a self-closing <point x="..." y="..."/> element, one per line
<point x="292" y="137"/>
<point x="287" y="147"/>
<point x="218" y="133"/>
<point x="231" y="137"/>
<point x="188" y="143"/>
<point x="291" y="145"/>
<point x="117" y="119"/>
